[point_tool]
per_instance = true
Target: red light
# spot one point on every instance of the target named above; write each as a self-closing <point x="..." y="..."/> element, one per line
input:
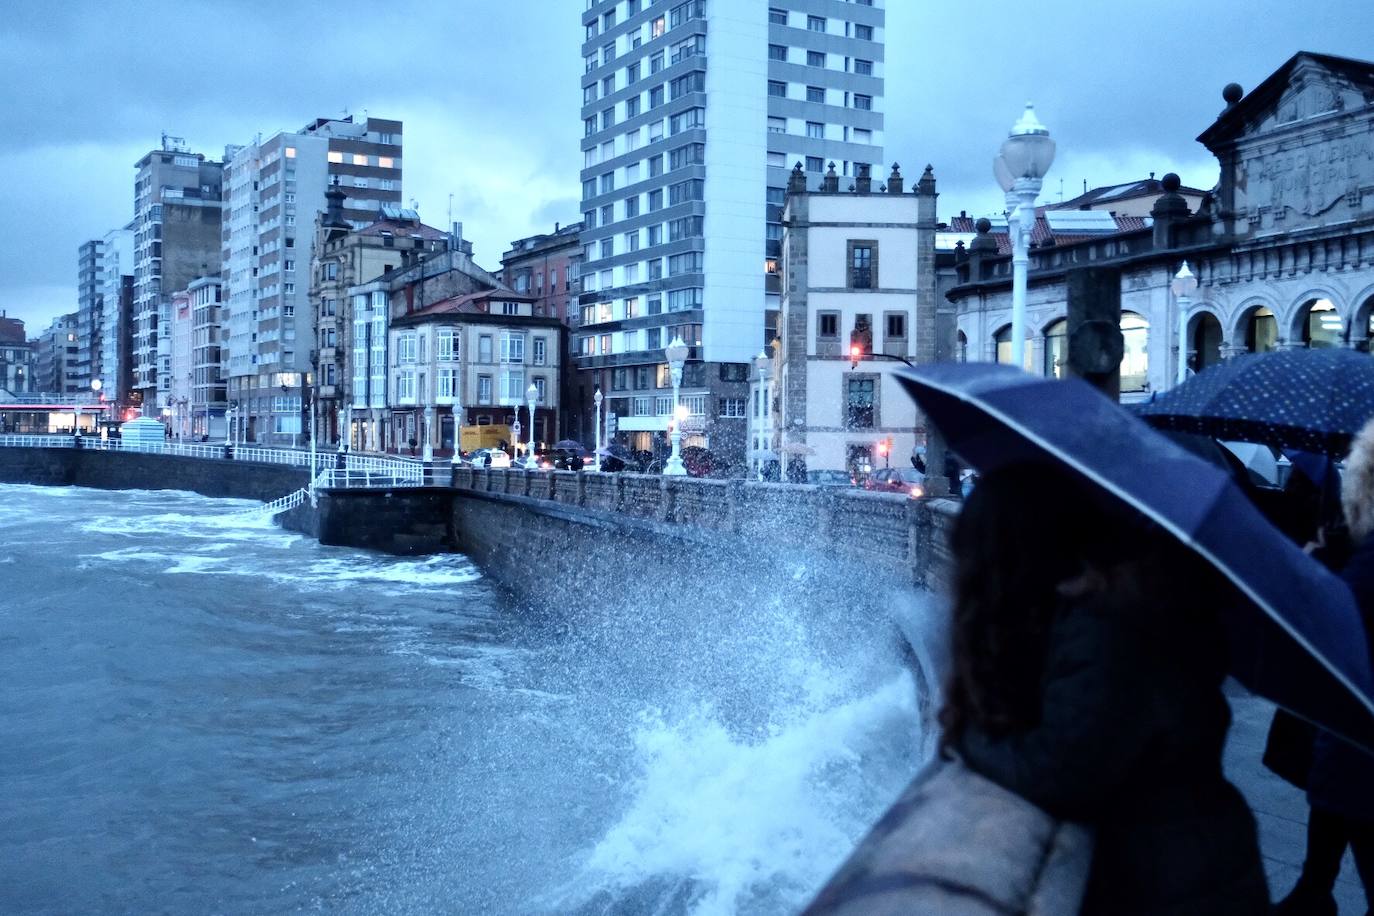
<point x="855" y="352"/>
<point x="882" y="448"/>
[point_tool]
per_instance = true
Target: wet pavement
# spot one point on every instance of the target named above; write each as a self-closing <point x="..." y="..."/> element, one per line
<point x="1280" y="809"/>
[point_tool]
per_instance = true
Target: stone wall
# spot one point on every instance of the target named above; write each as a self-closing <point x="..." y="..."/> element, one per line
<point x="147" y="471"/>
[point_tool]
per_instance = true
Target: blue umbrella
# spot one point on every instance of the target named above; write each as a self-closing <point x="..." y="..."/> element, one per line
<point x="1298" y="639"/>
<point x="1314" y="400"/>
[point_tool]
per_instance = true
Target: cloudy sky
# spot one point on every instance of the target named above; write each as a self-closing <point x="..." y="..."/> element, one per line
<point x="489" y="93"/>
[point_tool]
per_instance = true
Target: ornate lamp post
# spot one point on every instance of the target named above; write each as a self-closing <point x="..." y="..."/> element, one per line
<point x="96" y="385"/>
<point x="764" y="364"/>
<point x="1026" y="156"/>
<point x="531" y="396"/>
<point x="596" y="444"/>
<point x="427" y="449"/>
<point x="677" y="355"/>
<point x="1183" y="285"/>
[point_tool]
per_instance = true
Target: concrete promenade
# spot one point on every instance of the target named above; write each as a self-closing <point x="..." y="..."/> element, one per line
<point x="1280" y="809"/>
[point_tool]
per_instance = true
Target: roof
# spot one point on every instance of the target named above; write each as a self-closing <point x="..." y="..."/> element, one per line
<point x="1233" y="120"/>
<point x="1051" y="230"/>
<point x="402" y="227"/>
<point x="474" y="305"/>
<point x="1131" y="190"/>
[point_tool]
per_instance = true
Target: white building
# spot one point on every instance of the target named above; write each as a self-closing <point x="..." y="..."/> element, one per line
<point x="693" y="113"/>
<point x="116" y="290"/>
<point x="274" y="190"/>
<point x="859" y="300"/>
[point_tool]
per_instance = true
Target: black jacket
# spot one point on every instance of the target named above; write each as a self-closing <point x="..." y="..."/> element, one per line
<point x="1130" y="738"/>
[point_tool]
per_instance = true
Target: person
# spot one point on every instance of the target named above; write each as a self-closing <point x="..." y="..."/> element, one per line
<point x="574" y="462"/>
<point x="486" y="459"/>
<point x="1083" y="680"/>
<point x="1340" y="783"/>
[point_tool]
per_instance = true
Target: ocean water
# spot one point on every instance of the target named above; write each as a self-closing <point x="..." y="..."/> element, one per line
<point x="203" y="713"/>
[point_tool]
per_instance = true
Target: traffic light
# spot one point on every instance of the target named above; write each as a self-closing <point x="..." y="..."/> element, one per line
<point x="882" y="447"/>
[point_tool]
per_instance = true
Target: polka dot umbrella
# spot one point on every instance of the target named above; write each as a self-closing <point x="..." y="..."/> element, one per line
<point x="1313" y="400"/>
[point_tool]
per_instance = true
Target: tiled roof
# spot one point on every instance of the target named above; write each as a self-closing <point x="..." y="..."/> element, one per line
<point x="1042" y="235"/>
<point x="402" y="228"/>
<point x="468" y="303"/>
<point x="1108" y="194"/>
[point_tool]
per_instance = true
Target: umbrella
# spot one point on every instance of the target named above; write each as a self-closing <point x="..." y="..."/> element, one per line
<point x="1258" y="460"/>
<point x="571" y="445"/>
<point x="1314" y="400"/>
<point x="1298" y="639"/>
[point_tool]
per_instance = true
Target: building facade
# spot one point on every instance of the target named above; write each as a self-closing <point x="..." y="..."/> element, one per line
<point x="176" y="234"/>
<point x="90" y="269"/>
<point x="57" y="355"/>
<point x="274" y="194"/>
<point x="860" y="290"/>
<point x="112" y="359"/>
<point x="178" y="411"/>
<point x="545" y="267"/>
<point x="1283" y="249"/>
<point x="693" y="113"/>
<point x="16" y="357"/>
<point x="471" y="360"/>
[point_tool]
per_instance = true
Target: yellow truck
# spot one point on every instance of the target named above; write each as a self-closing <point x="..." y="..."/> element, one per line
<point x="471" y="438"/>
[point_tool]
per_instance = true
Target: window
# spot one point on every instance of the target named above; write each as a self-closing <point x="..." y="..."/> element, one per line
<point x="815" y="23"/>
<point x="777" y="16"/>
<point x="777" y="89"/>
<point x="608" y="53"/>
<point x="777" y="52"/>
<point x="863" y="67"/>
<point x="815" y="164"/>
<point x="655" y="268"/>
<point x="828" y="324"/>
<point x="680" y="300"/>
<point x="653" y="339"/>
<point x="656" y="162"/>
<point x="1135" y="361"/>
<point x="777" y="125"/>
<point x="655" y="200"/>
<point x="631" y="107"/>
<point x="688" y="263"/>
<point x="607" y="248"/>
<point x="619" y="379"/>
<point x="690" y="82"/>
<point x="858" y="397"/>
<point x="862" y="135"/>
<point x="604" y="344"/>
<point x="656" y="61"/>
<point x="656" y="230"/>
<point x="446" y="344"/>
<point x="607" y="118"/>
<point x="815" y="130"/>
<point x="863" y="32"/>
<point x="815" y="94"/>
<point x="589" y="94"/>
<point x="655" y="305"/>
<point x="894" y="326"/>
<point x="815" y="58"/>
<point x="684" y="191"/>
<point x="484" y="348"/>
<point x="448" y="384"/>
<point x="686" y="120"/>
<point x="734" y="372"/>
<point x="405" y="348"/>
<point x="512" y="347"/>
<point x="631" y="207"/>
<point x="656" y="96"/>
<point x="732" y="408"/>
<point x="862" y="257"/>
<point x="607" y="214"/>
<point x="863" y="102"/>
<point x="693" y="9"/>
<point x="632" y="73"/>
<point x="405" y="386"/>
<point x="336" y="158"/>
<point x="689" y="48"/>
<point x="656" y="29"/>
<point x="484" y="389"/>
<point x="777" y="196"/>
<point x="683" y="156"/>
<point x="684" y="228"/>
<point x="1056" y="348"/>
<point x="632" y="240"/>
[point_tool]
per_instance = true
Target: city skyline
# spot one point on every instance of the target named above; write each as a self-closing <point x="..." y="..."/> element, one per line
<point x="1116" y="113"/>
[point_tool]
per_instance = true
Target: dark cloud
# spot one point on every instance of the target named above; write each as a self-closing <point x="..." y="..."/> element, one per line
<point x="489" y="94"/>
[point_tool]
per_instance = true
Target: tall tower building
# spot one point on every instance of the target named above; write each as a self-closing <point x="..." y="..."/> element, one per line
<point x="113" y="364"/>
<point x="176" y="239"/>
<point x="90" y="269"/>
<point x="274" y="189"/>
<point x="693" y="113"/>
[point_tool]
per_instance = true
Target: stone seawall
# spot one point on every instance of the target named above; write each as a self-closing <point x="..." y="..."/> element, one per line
<point x="119" y="470"/>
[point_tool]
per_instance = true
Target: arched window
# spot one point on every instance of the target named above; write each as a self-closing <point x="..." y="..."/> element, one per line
<point x="1056" y="348"/>
<point x="961" y="348"/>
<point x="1206" y="342"/>
<point x="1135" y="358"/>
<point x="1003" y="340"/>
<point x="1261" y="331"/>
<point x="1322" y="327"/>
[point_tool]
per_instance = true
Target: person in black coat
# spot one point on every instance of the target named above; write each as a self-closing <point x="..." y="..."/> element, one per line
<point x="1340" y="784"/>
<point x="1084" y="683"/>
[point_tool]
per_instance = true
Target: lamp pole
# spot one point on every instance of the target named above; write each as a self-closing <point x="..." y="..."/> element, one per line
<point x="531" y="395"/>
<point x="427" y="450"/>
<point x="677" y="355"/>
<point x="1184" y="284"/>
<point x="96" y="385"/>
<point x="596" y="445"/>
<point x="763" y="363"/>
<point x="1026" y="156"/>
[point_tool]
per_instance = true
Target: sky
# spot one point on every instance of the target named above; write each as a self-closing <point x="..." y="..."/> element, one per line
<point x="490" y="95"/>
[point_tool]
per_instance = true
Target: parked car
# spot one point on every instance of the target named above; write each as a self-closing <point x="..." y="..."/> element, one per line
<point x="897" y="480"/>
<point x="499" y="459"/>
<point x="830" y="478"/>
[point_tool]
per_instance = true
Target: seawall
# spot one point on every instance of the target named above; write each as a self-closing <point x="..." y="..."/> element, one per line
<point x="130" y="470"/>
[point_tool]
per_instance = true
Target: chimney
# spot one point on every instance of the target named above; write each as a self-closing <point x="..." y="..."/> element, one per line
<point x="895" y="182"/>
<point x="863" y="183"/>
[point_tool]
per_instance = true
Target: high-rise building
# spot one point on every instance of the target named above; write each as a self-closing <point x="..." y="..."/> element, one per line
<point x="693" y="114"/>
<point x="89" y="308"/>
<point x="56" y="355"/>
<point x="176" y="239"/>
<point x="112" y="361"/>
<point x="275" y="189"/>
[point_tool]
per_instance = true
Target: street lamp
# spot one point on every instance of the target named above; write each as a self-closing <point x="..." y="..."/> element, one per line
<point x="1184" y="285"/>
<point x="763" y="363"/>
<point x="677" y="355"/>
<point x="1026" y="156"/>
<point x="96" y="385"/>
<point x="596" y="436"/>
<point x="531" y="395"/>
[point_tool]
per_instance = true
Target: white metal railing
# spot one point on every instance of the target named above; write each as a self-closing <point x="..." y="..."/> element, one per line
<point x="358" y="470"/>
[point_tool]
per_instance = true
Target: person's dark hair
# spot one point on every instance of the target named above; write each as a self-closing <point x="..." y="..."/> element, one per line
<point x="1023" y="531"/>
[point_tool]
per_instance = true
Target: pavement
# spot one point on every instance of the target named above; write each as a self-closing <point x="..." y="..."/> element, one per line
<point x="1280" y="809"/>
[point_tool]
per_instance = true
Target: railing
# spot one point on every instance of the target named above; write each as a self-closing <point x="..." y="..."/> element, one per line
<point x="371" y="471"/>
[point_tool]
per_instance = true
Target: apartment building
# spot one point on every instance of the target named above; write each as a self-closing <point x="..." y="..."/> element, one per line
<point x="693" y="113"/>
<point x="90" y="259"/>
<point x="176" y="236"/>
<point x="275" y="190"/>
<point x="56" y="357"/>
<point x="16" y="357"/>
<point x="112" y="360"/>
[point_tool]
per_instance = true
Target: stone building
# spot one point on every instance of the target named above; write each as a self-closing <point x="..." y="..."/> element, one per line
<point x="470" y="360"/>
<point x="1283" y="248"/>
<point x="859" y="270"/>
<point x="16" y="357"/>
<point x="57" y="355"/>
<point x="344" y="257"/>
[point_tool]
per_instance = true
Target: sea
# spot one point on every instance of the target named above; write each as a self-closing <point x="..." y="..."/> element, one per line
<point x="204" y="713"/>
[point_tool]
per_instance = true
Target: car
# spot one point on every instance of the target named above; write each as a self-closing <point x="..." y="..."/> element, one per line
<point x="897" y="480"/>
<point x="499" y="459"/>
<point x="829" y="478"/>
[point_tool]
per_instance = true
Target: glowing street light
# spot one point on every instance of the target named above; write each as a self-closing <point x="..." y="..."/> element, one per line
<point x="1020" y="168"/>
<point x="676" y="352"/>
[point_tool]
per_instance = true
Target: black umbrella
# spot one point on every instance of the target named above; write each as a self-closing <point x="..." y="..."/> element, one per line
<point x="1314" y="400"/>
<point x="1298" y="638"/>
<point x="571" y="445"/>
